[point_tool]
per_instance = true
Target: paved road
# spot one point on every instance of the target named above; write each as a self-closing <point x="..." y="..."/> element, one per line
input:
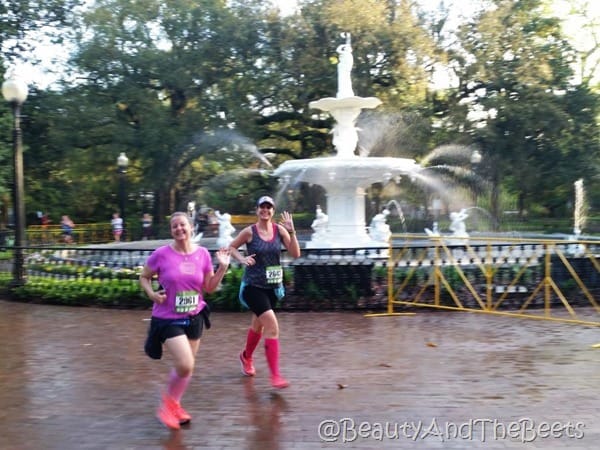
<point x="76" y="378"/>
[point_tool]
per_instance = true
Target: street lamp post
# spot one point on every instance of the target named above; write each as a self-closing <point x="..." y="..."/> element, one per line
<point x="15" y="92"/>
<point x="122" y="163"/>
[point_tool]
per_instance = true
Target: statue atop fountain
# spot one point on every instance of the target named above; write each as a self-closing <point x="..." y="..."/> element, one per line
<point x="346" y="107"/>
<point x="346" y="61"/>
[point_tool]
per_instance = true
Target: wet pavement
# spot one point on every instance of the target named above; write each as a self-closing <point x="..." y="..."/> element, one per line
<point x="77" y="378"/>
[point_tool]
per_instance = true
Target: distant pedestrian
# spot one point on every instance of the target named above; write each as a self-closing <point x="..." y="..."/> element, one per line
<point x="67" y="226"/>
<point x="117" y="226"/>
<point x="146" y="226"/>
<point x="45" y="220"/>
<point x="262" y="282"/>
<point x="185" y="271"/>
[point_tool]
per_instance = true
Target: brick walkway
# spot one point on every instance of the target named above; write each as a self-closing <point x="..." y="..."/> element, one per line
<point x="76" y="378"/>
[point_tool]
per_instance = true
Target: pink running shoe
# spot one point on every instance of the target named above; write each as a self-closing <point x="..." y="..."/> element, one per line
<point x="166" y="413"/>
<point x="279" y="382"/>
<point x="247" y="366"/>
<point x="181" y="414"/>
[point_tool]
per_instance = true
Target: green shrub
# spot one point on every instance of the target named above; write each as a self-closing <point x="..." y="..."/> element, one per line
<point x="453" y="278"/>
<point x="68" y="284"/>
<point x="226" y="297"/>
<point x="81" y="292"/>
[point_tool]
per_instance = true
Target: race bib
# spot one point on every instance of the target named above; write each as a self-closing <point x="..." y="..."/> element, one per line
<point x="274" y="275"/>
<point x="186" y="301"/>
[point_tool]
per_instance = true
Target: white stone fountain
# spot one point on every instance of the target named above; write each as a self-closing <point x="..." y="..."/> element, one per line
<point x="346" y="176"/>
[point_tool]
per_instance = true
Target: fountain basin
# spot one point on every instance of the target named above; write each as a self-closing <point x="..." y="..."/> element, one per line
<point x="345" y="180"/>
<point x="355" y="170"/>
<point x="352" y="103"/>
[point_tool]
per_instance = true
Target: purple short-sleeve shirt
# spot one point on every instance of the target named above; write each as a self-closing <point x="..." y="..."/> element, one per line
<point x="182" y="277"/>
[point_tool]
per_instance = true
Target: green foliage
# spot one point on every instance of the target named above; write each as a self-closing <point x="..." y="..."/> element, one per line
<point x="191" y="103"/>
<point x="22" y="18"/>
<point x="195" y="92"/>
<point x="567" y="286"/>
<point x="453" y="278"/>
<point x="82" y="292"/>
<point x="313" y="292"/>
<point x="412" y="276"/>
<point x="380" y="272"/>
<point x="226" y="297"/>
<point x="352" y="295"/>
<point x="535" y="141"/>
<point x="100" y="286"/>
<point x="5" y="278"/>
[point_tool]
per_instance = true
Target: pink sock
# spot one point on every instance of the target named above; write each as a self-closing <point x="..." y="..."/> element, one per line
<point x="272" y="352"/>
<point x="177" y="385"/>
<point x="252" y="340"/>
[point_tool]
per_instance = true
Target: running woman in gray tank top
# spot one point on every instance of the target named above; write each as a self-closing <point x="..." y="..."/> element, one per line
<point x="262" y="283"/>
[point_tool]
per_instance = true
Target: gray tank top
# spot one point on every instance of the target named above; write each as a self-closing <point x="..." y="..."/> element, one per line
<point x="267" y="256"/>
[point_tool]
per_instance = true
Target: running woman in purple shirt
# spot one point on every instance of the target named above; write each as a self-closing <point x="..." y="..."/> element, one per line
<point x="262" y="282"/>
<point x="185" y="271"/>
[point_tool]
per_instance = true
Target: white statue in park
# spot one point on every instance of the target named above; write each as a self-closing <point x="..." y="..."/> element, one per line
<point x="191" y="211"/>
<point x="457" y="223"/>
<point x="435" y="232"/>
<point x="346" y="61"/>
<point x="226" y="230"/>
<point x="193" y="214"/>
<point x="379" y="229"/>
<point x="319" y="225"/>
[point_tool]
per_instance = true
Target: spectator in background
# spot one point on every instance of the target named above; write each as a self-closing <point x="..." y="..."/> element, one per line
<point x="146" y="226"/>
<point x="201" y="222"/>
<point x="45" y="220"/>
<point x="117" y="226"/>
<point x="67" y="226"/>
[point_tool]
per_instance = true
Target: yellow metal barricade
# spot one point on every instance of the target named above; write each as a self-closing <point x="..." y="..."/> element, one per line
<point x="528" y="278"/>
<point x="89" y="233"/>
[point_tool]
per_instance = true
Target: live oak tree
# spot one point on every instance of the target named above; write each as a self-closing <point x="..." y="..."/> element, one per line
<point x="187" y="88"/>
<point x="521" y="107"/>
<point x="195" y="92"/>
<point x="24" y="24"/>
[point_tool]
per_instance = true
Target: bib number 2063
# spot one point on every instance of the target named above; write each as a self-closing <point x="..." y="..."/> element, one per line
<point x="274" y="274"/>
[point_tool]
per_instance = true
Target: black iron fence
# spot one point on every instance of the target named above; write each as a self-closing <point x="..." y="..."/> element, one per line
<point x="474" y="273"/>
